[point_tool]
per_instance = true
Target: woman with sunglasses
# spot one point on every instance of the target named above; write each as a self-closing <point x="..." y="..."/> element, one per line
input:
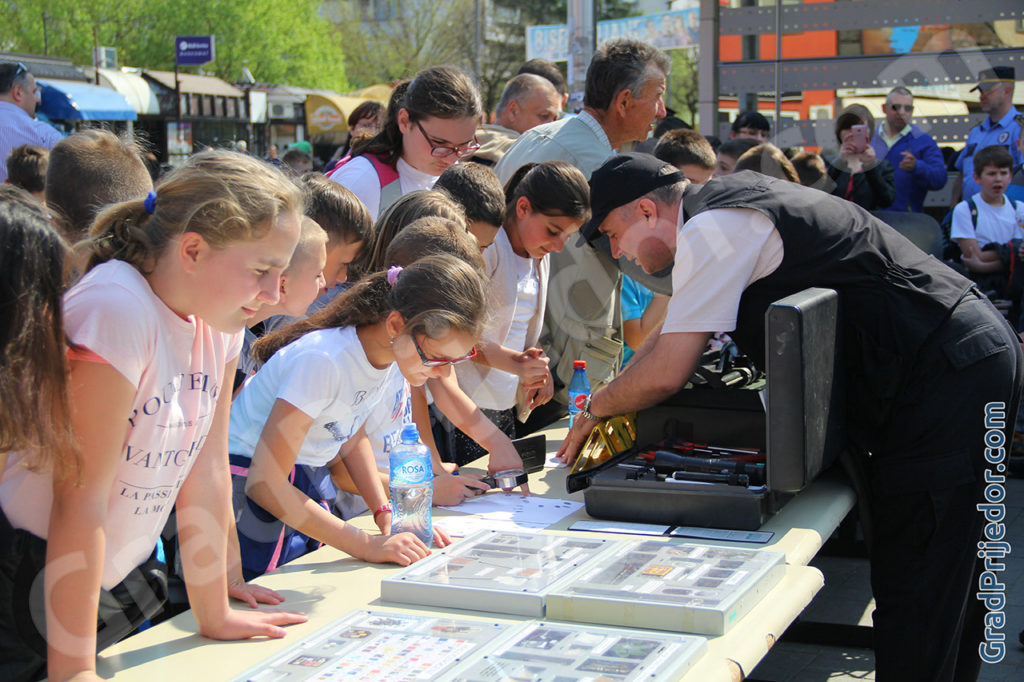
<point x="431" y="124"/>
<point x="298" y="425"/>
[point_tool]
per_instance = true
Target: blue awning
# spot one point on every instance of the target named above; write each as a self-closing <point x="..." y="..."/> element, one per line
<point x="73" y="101"/>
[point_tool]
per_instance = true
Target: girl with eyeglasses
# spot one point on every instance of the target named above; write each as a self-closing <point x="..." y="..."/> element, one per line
<point x="431" y="124"/>
<point x="298" y="424"/>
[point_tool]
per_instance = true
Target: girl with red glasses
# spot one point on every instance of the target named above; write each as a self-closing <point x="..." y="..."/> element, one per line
<point x="299" y="423"/>
<point x="431" y="124"/>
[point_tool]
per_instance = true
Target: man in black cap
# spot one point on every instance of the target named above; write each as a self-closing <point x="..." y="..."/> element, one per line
<point x="995" y="94"/>
<point x="928" y="360"/>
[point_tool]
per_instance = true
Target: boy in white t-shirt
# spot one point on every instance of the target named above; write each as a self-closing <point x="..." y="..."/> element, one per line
<point x="988" y="218"/>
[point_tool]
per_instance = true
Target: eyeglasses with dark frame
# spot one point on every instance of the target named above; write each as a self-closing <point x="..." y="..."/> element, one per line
<point x="440" y="362"/>
<point x="909" y="108"/>
<point x="443" y="151"/>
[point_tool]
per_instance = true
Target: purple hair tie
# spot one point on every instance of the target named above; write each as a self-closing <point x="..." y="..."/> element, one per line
<point x="393" y="272"/>
<point x="150" y="203"/>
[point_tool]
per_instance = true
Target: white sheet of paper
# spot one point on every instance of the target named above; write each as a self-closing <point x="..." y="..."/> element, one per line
<point x="509" y="511"/>
<point x="554" y="462"/>
<point x="466" y="524"/>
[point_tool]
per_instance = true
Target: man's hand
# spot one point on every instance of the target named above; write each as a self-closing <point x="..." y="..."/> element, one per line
<point x="577" y="436"/>
<point x="909" y="162"/>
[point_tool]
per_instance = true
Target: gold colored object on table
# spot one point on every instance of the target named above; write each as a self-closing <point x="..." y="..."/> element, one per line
<point x="608" y="438"/>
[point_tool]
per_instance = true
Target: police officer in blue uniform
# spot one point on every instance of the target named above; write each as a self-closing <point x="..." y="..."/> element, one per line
<point x="995" y="93"/>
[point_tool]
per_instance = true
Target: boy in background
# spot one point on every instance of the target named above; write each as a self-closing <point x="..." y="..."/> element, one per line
<point x="301" y="282"/>
<point x="988" y="219"/>
<point x="690" y="152"/>
<point x="26" y="168"/>
<point x="476" y="188"/>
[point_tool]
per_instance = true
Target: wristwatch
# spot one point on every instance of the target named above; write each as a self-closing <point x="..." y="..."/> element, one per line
<point x="587" y="413"/>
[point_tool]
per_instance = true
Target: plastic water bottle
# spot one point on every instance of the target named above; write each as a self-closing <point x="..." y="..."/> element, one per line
<point x="412" y="486"/>
<point x="579" y="389"/>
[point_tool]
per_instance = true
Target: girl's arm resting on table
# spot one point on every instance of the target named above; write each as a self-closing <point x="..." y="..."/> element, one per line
<point x="268" y="486"/>
<point x="101" y="400"/>
<point x="356" y="458"/>
<point x="250" y="593"/>
<point x="205" y="518"/>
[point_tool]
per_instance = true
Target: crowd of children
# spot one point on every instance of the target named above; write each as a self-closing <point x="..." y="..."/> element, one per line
<point x="209" y="373"/>
<point x="236" y="349"/>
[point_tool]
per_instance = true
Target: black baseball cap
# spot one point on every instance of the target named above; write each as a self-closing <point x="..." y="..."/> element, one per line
<point x="622" y="179"/>
<point x="997" y="74"/>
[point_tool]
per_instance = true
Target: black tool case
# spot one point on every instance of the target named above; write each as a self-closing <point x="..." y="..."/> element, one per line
<point x="796" y="421"/>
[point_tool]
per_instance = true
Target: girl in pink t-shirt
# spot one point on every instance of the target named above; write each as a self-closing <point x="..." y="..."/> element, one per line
<point x="155" y="327"/>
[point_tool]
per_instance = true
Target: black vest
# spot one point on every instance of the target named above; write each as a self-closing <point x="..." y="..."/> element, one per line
<point x="892" y="295"/>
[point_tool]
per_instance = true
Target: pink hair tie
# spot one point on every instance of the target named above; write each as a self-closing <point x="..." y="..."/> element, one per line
<point x="393" y="272"/>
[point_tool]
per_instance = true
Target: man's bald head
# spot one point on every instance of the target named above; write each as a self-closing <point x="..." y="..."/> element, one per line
<point x="527" y="101"/>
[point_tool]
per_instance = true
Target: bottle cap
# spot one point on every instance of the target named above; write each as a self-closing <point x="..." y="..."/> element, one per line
<point x="579" y="364"/>
<point x="410" y="433"/>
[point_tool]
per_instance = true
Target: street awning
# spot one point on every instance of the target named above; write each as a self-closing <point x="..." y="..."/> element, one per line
<point x="327" y="113"/>
<point x="199" y="85"/>
<point x="134" y="87"/>
<point x="74" y="101"/>
<point x="327" y="116"/>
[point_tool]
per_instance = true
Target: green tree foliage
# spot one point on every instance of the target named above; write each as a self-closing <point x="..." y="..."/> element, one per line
<point x="405" y="37"/>
<point x="683" y="88"/>
<point x="280" y="42"/>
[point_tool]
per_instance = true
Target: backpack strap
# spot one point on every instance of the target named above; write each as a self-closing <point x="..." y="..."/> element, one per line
<point x="390" y="187"/>
<point x="387" y="176"/>
<point x="973" y="207"/>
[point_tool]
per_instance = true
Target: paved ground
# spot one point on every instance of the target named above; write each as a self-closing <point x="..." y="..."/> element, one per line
<point x="846" y="598"/>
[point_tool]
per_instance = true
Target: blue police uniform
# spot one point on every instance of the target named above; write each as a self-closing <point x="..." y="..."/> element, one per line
<point x="1005" y="132"/>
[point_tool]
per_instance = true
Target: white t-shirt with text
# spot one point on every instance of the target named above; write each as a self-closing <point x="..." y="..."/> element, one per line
<point x="177" y="366"/>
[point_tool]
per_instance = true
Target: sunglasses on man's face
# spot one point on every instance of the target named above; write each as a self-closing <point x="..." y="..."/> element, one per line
<point x="441" y="362"/>
<point x="909" y="108"/>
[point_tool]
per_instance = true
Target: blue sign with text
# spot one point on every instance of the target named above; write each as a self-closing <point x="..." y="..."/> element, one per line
<point x="193" y="50"/>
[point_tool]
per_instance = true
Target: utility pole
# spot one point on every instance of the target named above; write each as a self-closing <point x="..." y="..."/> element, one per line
<point x="582" y="43"/>
<point x="478" y="38"/>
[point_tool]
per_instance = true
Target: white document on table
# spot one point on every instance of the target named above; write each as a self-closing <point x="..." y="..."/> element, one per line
<point x="505" y="511"/>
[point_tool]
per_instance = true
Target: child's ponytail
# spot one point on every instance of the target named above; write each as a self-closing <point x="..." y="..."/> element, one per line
<point x="126" y="232"/>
